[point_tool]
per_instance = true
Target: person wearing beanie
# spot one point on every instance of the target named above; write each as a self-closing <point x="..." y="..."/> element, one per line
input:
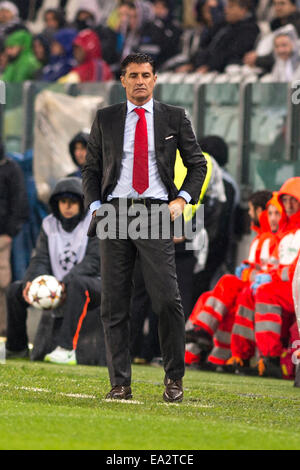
<point x="14" y="211"/>
<point x="63" y="250"/>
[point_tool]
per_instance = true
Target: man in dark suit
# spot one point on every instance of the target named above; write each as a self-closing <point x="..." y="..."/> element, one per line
<point x="130" y="159"/>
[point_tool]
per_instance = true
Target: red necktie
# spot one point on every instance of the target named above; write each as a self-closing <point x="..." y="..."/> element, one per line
<point x="140" y="177"/>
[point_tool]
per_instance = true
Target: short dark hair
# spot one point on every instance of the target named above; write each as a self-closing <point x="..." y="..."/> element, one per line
<point x="260" y="198"/>
<point x="247" y="4"/>
<point x="138" y="58"/>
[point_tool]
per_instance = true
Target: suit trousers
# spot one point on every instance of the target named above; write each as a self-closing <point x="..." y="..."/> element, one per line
<point x="157" y="260"/>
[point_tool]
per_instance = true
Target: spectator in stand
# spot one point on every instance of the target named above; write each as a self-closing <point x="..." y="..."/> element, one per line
<point x="14" y="211"/>
<point x="9" y="19"/>
<point x="22" y="64"/>
<point x="172" y="29"/>
<point x="86" y="19"/>
<point x="286" y="12"/>
<point x="88" y="54"/>
<point x="232" y="41"/>
<point x="287" y="59"/>
<point x="41" y="50"/>
<point x="61" y="60"/>
<point x="54" y="19"/>
<point x="140" y="32"/>
<point x="207" y="15"/>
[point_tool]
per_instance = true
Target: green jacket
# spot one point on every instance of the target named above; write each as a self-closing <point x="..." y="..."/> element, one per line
<point x="25" y="65"/>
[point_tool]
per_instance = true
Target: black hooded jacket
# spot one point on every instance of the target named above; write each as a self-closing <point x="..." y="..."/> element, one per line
<point x="40" y="262"/>
<point x="14" y="207"/>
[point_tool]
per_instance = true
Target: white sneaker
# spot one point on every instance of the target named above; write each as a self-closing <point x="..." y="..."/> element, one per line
<point x="61" y="356"/>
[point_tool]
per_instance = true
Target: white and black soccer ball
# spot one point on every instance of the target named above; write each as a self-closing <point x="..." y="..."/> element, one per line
<point x="45" y="292"/>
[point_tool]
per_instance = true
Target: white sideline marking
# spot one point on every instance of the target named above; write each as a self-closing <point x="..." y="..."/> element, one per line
<point x="45" y="390"/>
<point x="93" y="397"/>
<point x="71" y="395"/>
<point x="129" y="402"/>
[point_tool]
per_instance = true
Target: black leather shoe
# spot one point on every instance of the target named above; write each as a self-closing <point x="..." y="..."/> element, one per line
<point x="173" y="391"/>
<point x="119" y="392"/>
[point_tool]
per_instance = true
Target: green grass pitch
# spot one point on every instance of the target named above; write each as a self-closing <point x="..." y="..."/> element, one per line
<point x="45" y="406"/>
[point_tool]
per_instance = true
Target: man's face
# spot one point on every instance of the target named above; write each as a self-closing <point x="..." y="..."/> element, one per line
<point x="79" y="54"/>
<point x="80" y="152"/>
<point x="51" y="21"/>
<point x="56" y="48"/>
<point x="283" y="47"/>
<point x="283" y="8"/>
<point x="68" y="207"/>
<point x="139" y="81"/>
<point x="12" y="52"/>
<point x="233" y="12"/>
<point x="291" y="204"/>
<point x="6" y="16"/>
<point x="38" y="49"/>
<point x="254" y="213"/>
<point x="160" y="10"/>
<point x="274" y="217"/>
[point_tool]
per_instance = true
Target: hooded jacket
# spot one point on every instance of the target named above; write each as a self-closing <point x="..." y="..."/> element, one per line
<point x="25" y="65"/>
<point x="42" y="261"/>
<point x="283" y="70"/>
<point x="93" y="68"/>
<point x="288" y="236"/>
<point x="14" y="207"/>
<point x="82" y="138"/>
<point x="60" y="65"/>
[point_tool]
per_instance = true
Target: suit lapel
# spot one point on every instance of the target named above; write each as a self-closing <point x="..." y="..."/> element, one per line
<point x="160" y="124"/>
<point x="117" y="130"/>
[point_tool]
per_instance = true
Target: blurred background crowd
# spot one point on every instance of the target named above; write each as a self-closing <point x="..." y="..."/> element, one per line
<point x="79" y="41"/>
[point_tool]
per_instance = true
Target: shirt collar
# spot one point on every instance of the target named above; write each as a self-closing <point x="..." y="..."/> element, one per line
<point x="147" y="106"/>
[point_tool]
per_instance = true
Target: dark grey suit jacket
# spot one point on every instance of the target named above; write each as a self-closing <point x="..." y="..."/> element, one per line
<point x="105" y="149"/>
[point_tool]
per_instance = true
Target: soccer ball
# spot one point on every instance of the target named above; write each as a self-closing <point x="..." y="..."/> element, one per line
<point x="45" y="292"/>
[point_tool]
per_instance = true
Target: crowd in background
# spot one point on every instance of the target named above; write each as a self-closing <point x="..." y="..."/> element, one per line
<point x="79" y="41"/>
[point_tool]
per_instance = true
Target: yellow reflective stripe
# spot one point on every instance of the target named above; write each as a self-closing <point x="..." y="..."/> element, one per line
<point x="180" y="172"/>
